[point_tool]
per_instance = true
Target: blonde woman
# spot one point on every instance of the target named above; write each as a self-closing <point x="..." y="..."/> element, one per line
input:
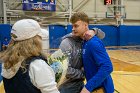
<point x="24" y="69"/>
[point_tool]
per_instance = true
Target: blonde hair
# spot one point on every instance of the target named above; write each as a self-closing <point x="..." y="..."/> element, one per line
<point x="19" y="51"/>
<point x="79" y="16"/>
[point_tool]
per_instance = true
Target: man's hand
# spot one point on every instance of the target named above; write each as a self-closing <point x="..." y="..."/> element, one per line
<point x="89" y="34"/>
<point x="84" y="90"/>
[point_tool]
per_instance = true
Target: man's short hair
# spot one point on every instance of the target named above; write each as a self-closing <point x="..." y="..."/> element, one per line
<point x="79" y="16"/>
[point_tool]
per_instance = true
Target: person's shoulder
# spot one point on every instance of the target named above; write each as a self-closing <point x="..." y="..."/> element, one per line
<point x="67" y="41"/>
<point x="95" y="42"/>
<point x="39" y="63"/>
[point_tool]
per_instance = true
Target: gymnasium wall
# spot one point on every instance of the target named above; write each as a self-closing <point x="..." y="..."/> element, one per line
<point x="124" y="35"/>
<point x="4" y="33"/>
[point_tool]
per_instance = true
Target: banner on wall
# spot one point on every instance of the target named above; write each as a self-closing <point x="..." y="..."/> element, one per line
<point x="39" y="5"/>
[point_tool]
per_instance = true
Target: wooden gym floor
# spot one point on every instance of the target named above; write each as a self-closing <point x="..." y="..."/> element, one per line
<point x="126" y="74"/>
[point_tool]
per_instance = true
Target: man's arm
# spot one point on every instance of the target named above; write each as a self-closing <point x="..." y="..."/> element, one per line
<point x="94" y="31"/>
<point x="99" y="33"/>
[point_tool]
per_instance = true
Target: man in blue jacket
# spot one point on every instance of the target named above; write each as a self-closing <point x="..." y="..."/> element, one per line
<point x="97" y="64"/>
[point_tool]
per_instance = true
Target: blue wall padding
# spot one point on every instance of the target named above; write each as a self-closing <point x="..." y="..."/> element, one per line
<point x="55" y="34"/>
<point x="130" y="35"/>
<point x="123" y="35"/>
<point x="4" y="33"/>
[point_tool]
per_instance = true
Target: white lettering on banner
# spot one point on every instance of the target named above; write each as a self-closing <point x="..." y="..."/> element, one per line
<point x="36" y="6"/>
<point x="46" y="7"/>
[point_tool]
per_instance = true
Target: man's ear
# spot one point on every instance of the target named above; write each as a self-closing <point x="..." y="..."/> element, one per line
<point x="86" y="24"/>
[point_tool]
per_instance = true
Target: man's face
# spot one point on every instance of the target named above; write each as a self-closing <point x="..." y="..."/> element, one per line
<point x="79" y="28"/>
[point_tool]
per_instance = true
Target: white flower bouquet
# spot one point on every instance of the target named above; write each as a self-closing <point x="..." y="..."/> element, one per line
<point x="59" y="63"/>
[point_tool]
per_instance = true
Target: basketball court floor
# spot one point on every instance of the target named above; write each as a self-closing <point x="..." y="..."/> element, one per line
<point x="126" y="74"/>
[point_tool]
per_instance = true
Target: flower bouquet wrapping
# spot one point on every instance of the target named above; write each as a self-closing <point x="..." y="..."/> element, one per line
<point x="59" y="63"/>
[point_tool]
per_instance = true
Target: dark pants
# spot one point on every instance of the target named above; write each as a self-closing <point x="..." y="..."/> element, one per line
<point x="72" y="87"/>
